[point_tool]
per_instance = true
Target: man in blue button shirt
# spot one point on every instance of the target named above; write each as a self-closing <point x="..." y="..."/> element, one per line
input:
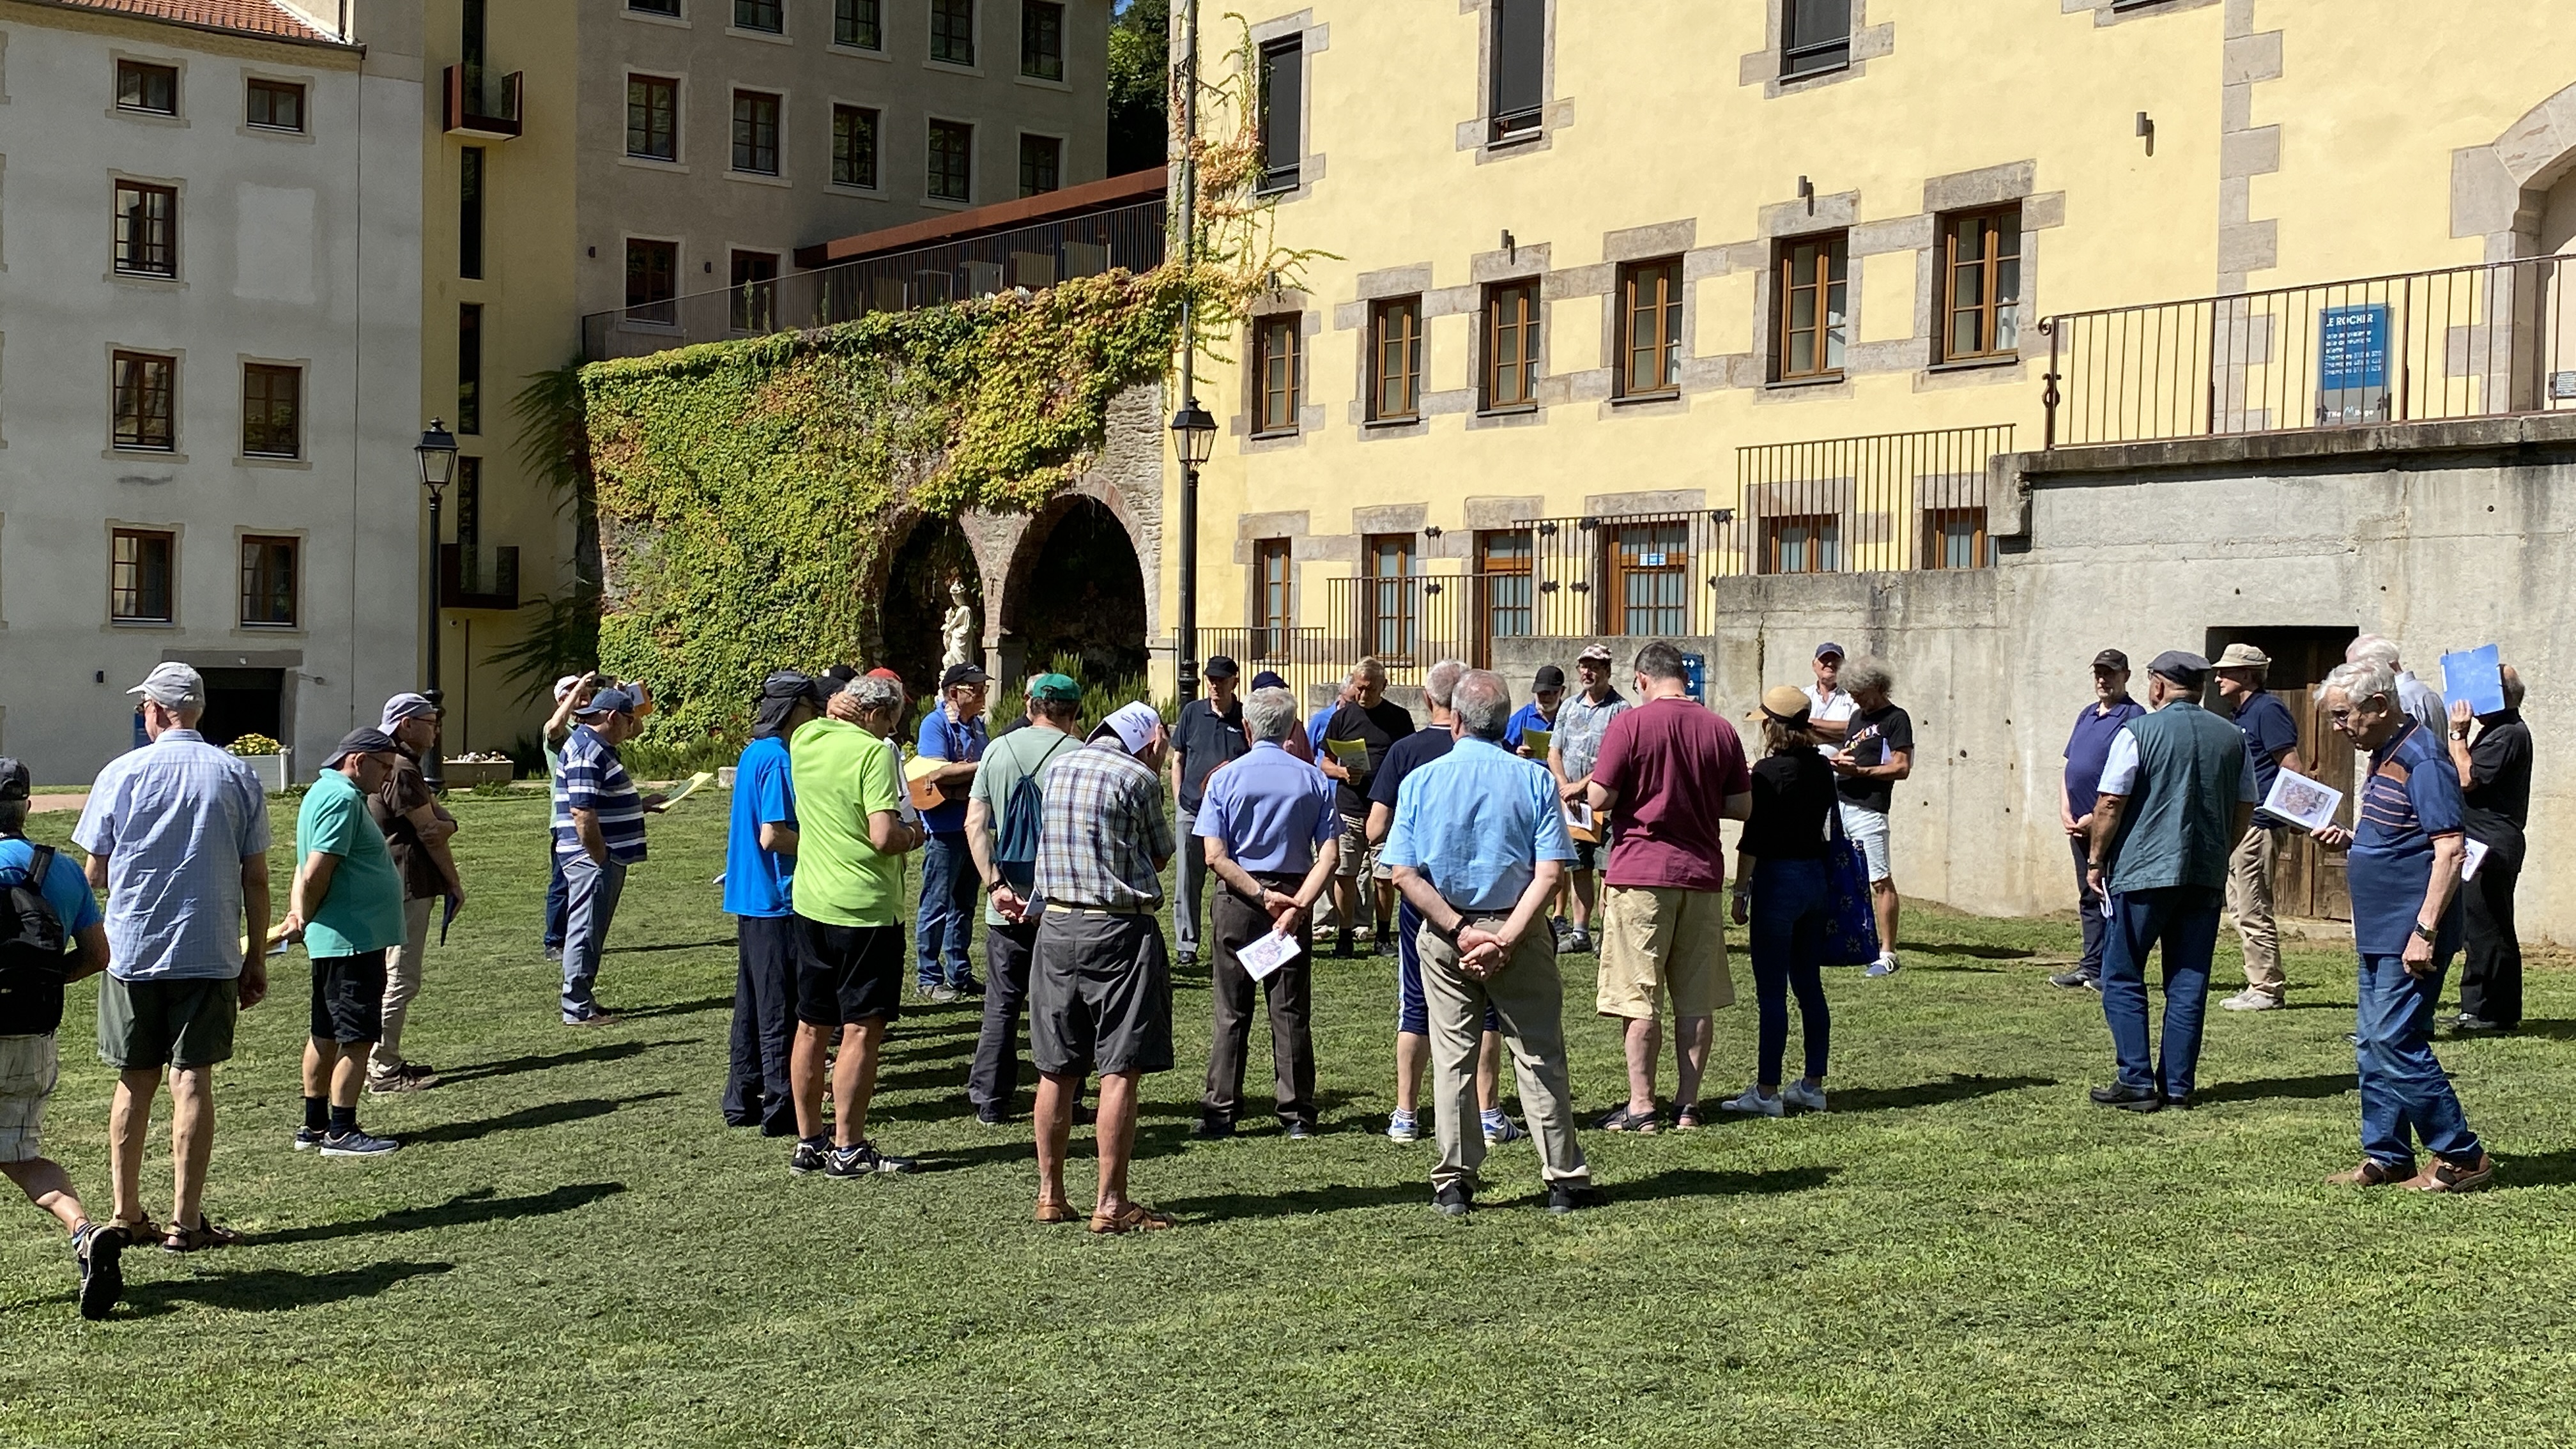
<point x="1477" y="846"/>
<point x="2403" y="864"/>
<point x="2271" y="746"/>
<point x="1268" y="832"/>
<point x="954" y="731"/>
<point x="2087" y="749"/>
<point x="760" y="872"/>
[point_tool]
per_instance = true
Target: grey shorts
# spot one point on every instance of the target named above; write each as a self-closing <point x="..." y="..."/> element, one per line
<point x="1358" y="858"/>
<point x="27" y="1069"/>
<point x="1100" y="994"/>
<point x="185" y="1023"/>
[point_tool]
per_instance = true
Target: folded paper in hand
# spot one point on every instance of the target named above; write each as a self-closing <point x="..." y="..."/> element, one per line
<point x="1267" y="953"/>
<point x="2469" y="859"/>
<point x="2302" y="801"/>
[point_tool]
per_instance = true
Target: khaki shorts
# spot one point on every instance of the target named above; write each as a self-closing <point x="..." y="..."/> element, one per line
<point x="27" y="1069"/>
<point x="1663" y="940"/>
<point x="1358" y="858"/>
<point x="185" y="1023"/>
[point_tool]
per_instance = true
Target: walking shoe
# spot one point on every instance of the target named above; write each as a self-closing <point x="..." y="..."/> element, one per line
<point x="356" y="1142"/>
<point x="1403" y="1127"/>
<point x="2128" y="1098"/>
<point x="1573" y="1194"/>
<point x="864" y="1160"/>
<point x="942" y="995"/>
<point x="1453" y="1201"/>
<point x="1500" y="1128"/>
<point x="1300" y="1131"/>
<point x="1578" y="941"/>
<point x="2370" y="1172"/>
<point x="2468" y="1023"/>
<point x="1189" y="961"/>
<point x="1620" y="1119"/>
<point x="993" y="1116"/>
<point x="307" y="1138"/>
<point x="970" y="987"/>
<point x="1803" y="1097"/>
<point x="1885" y="965"/>
<point x="2073" y="980"/>
<point x="2352" y="1039"/>
<point x="399" y="1082"/>
<point x="2447" y="1176"/>
<point x="809" y="1156"/>
<point x="1754" y="1104"/>
<point x="2250" y="999"/>
<point x="593" y="1017"/>
<point x="95" y="1249"/>
<point x="1212" y="1129"/>
<point x="555" y="954"/>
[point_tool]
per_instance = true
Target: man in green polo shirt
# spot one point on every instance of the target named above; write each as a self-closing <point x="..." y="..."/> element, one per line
<point x="347" y="904"/>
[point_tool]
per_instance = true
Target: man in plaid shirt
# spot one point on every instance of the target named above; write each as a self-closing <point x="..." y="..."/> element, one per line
<point x="1100" y="986"/>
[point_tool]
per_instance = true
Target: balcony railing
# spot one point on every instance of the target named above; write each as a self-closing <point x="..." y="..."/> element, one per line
<point x="1294" y="654"/>
<point x="482" y="577"/>
<point x="1129" y="237"/>
<point x="478" y="103"/>
<point x="2467" y="342"/>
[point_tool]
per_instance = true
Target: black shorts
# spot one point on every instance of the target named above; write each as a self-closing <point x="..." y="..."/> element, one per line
<point x="349" y="997"/>
<point x="848" y="974"/>
<point x="1100" y="994"/>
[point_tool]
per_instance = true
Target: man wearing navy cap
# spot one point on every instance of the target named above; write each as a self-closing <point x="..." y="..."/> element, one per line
<point x="599" y="832"/>
<point x="954" y="731"/>
<point x="346" y="903"/>
<point x="1208" y="733"/>
<point x="760" y="871"/>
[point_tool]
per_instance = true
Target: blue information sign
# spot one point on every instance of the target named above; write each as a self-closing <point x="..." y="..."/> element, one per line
<point x="1695" y="669"/>
<point x="2352" y="348"/>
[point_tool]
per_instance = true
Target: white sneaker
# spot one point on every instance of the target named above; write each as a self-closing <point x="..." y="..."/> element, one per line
<point x="1403" y="1127"/>
<point x="1803" y="1097"/>
<point x="1885" y="965"/>
<point x="2251" y="1000"/>
<point x="1755" y="1104"/>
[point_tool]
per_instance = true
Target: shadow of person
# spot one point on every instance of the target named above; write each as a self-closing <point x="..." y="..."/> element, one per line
<point x="479" y="1205"/>
<point x="1961" y="1087"/>
<point x="538" y="1062"/>
<point x="544" y="1114"/>
<point x="2316" y="1087"/>
<point x="272" y="1290"/>
<point x="677" y="1008"/>
<point x="665" y="946"/>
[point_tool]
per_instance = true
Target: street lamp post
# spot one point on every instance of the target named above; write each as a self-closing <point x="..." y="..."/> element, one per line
<point x="1193" y="431"/>
<point x="1194" y="438"/>
<point x="437" y="452"/>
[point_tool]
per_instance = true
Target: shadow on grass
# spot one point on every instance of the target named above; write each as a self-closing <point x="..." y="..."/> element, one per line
<point x="1960" y="948"/>
<point x="476" y="1206"/>
<point x="1680" y="1182"/>
<point x="665" y="946"/>
<point x="2536" y="1169"/>
<point x="272" y="1290"/>
<point x="2544" y="1030"/>
<point x="2316" y="1087"/>
<point x="1959" y="1088"/>
<point x="1014" y="1142"/>
<point x="535" y="1062"/>
<point x="546" y="1114"/>
<point x="677" y="1008"/>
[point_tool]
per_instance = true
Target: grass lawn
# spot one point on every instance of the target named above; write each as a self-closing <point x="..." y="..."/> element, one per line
<point x="572" y="1247"/>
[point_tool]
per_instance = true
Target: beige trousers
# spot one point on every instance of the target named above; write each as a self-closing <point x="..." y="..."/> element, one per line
<point x="1529" y="997"/>
<point x="2249" y="896"/>
<point x="402" y="983"/>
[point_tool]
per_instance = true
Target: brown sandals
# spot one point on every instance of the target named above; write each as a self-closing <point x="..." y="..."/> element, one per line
<point x="204" y="1235"/>
<point x="1057" y="1212"/>
<point x="1135" y="1217"/>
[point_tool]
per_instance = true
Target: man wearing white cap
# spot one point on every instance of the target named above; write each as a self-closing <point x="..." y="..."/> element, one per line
<point x="572" y="692"/>
<point x="416" y="829"/>
<point x="177" y="834"/>
<point x="1100" y="986"/>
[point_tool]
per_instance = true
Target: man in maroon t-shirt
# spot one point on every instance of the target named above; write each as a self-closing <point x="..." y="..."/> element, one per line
<point x="1670" y="770"/>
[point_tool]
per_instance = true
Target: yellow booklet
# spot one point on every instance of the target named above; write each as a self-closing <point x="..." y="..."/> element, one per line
<point x="689" y="787"/>
<point x="1353" y="754"/>
<point x="1537" y="741"/>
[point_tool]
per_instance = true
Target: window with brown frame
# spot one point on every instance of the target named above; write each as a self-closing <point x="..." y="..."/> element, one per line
<point x="147" y="229"/>
<point x="859" y="24"/>
<point x="1815" y="36"/>
<point x="766" y="16"/>
<point x="653" y="117"/>
<point x="1042" y="39"/>
<point x="143" y="383"/>
<point x="1390" y="626"/>
<point x="276" y="105"/>
<point x="268" y="581"/>
<point x="1506" y="604"/>
<point x="755" y="291"/>
<point x="1041" y="164"/>
<point x="1519" y="63"/>
<point x="1808" y="543"/>
<point x="1281" y="114"/>
<point x="1650" y="330"/>
<point x="1814" y="286"/>
<point x="952" y="161"/>
<point x="1395" y="360"/>
<point x="1511" y="346"/>
<point x="854" y="146"/>
<point x="952" y="31"/>
<point x="1981" y="261"/>
<point x="755" y="133"/>
<point x="652" y="281"/>
<point x="1274" y="373"/>
<point x="1270" y="561"/>
<point x="142" y="86"/>
<point x="141" y="562"/>
<point x="1649" y="567"/>
<point x="272" y="401"/>
<point x="1955" y="538"/>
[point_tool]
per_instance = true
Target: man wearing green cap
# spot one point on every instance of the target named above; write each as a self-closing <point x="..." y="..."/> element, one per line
<point x="1002" y="834"/>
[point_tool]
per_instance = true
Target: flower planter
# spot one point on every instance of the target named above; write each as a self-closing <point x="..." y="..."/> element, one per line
<point x="466" y="774"/>
<point x="273" y="770"/>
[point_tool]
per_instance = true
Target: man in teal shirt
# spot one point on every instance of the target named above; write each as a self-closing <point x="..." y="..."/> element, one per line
<point x="347" y="903"/>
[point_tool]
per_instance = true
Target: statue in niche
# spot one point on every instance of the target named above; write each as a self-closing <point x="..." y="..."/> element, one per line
<point x="959" y="630"/>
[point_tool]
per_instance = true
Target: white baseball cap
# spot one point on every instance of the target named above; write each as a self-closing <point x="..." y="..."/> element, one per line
<point x="173" y="686"/>
<point x="1133" y="724"/>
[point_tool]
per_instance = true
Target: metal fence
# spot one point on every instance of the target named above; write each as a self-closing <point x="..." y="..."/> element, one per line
<point x="1031" y="256"/>
<point x="2466" y="342"/>
<point x="1297" y="655"/>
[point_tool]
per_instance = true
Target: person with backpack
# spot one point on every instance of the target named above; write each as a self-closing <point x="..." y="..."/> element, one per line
<point x="51" y="934"/>
<point x="1003" y="810"/>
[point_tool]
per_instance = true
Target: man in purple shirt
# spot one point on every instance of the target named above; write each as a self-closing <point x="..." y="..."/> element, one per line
<point x="2086" y="751"/>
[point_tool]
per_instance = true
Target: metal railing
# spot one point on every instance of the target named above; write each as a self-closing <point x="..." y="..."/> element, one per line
<point x="1129" y="237"/>
<point x="1297" y="655"/>
<point x="2465" y="342"/>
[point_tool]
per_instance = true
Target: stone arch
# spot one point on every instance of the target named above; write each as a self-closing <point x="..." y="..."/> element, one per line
<point x="912" y="595"/>
<point x="2501" y="192"/>
<point x="1076" y="585"/>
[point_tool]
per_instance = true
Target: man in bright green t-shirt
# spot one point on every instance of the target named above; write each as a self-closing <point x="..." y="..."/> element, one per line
<point x="853" y="829"/>
<point x="347" y="904"/>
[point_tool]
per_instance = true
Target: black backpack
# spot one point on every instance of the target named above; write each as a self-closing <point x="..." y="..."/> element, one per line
<point x="31" y="951"/>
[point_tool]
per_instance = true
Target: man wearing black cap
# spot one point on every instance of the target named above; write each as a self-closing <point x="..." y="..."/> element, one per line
<point x="347" y="904"/>
<point x="1208" y="733"/>
<point x="2087" y="750"/>
<point x="2174" y="799"/>
<point x="760" y="869"/>
<point x="955" y="732"/>
<point x="1547" y="691"/>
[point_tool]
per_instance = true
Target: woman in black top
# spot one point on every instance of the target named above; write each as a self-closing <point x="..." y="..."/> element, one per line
<point x="1780" y="889"/>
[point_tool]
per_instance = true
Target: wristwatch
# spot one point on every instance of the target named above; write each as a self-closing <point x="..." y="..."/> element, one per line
<point x="996" y="883"/>
<point x="2423" y="932"/>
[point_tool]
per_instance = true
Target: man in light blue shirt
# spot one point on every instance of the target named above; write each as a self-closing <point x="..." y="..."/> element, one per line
<point x="1477" y="845"/>
<point x="177" y="834"/>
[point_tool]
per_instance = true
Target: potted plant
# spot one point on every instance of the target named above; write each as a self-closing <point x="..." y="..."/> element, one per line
<point x="468" y="770"/>
<point x="266" y="757"/>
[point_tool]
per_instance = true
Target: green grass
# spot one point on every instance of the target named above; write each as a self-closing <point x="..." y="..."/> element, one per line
<point x="573" y="1248"/>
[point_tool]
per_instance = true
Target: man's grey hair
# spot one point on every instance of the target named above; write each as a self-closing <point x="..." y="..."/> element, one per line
<point x="1483" y="703"/>
<point x="1272" y="713"/>
<point x="1369" y="668"/>
<point x="1662" y="660"/>
<point x="1440" y="681"/>
<point x="2360" y="680"/>
<point x="1867" y="672"/>
<point x="2372" y="649"/>
<point x="870" y="693"/>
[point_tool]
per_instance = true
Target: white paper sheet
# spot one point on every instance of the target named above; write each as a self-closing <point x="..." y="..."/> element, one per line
<point x="2476" y="852"/>
<point x="1266" y="955"/>
<point x="2302" y="801"/>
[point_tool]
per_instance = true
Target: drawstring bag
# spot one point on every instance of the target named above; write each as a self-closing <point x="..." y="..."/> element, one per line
<point x="1851" y="925"/>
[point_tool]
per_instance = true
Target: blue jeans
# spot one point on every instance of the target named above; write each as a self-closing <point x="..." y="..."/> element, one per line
<point x="2183" y="921"/>
<point x="593" y="889"/>
<point x="558" y="899"/>
<point x="947" y="917"/>
<point x="2404" y="1093"/>
<point x="1789" y="902"/>
<point x="2088" y="904"/>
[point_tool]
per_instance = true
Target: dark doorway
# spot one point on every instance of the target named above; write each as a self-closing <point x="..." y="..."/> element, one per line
<point x="1084" y="597"/>
<point x="243" y="702"/>
<point x="2306" y="881"/>
<point x="916" y="602"/>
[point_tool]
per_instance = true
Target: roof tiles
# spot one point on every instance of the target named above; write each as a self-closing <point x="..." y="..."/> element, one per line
<point x="245" y="17"/>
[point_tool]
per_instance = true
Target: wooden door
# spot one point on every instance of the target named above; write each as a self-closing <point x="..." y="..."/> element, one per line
<point x="2307" y="881"/>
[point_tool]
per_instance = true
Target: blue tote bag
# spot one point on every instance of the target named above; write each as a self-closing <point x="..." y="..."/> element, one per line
<point x="1851" y="927"/>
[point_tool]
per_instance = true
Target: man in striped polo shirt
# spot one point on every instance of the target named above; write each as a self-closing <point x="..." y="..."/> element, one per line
<point x="599" y="832"/>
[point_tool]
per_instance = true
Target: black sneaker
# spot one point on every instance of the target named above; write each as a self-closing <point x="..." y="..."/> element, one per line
<point x="1212" y="1129"/>
<point x="1566" y="1195"/>
<point x="2128" y="1098"/>
<point x="993" y="1116"/>
<point x="102" y="1277"/>
<point x="1453" y="1201"/>
<point x="865" y="1161"/>
<point x="809" y="1156"/>
<point x="1189" y="961"/>
<point x="307" y="1138"/>
<point x="356" y="1142"/>
<point x="2073" y="980"/>
<point x="1299" y="1131"/>
<point x="970" y="987"/>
